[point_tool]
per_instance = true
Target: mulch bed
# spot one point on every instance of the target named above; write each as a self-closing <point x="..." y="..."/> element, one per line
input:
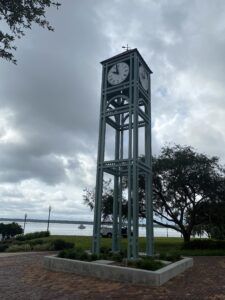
<point x="23" y="277"/>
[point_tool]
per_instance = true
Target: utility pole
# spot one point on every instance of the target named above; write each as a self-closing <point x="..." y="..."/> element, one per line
<point x="49" y="212"/>
<point x="24" y="224"/>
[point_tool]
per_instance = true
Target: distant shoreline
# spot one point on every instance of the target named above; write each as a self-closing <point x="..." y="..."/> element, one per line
<point x="60" y="221"/>
<point x="45" y="221"/>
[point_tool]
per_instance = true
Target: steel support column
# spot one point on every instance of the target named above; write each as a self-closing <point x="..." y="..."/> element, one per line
<point x="135" y="168"/>
<point x="99" y="175"/>
<point x="116" y="191"/>
<point x="148" y="183"/>
<point x="130" y="169"/>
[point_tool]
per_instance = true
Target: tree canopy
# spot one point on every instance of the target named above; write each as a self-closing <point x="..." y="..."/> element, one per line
<point x="183" y="182"/>
<point x="19" y="15"/>
<point x="10" y="230"/>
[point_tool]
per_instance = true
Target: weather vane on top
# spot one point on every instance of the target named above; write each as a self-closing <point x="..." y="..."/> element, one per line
<point x="126" y="47"/>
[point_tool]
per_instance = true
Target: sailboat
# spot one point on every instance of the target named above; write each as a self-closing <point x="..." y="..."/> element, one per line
<point x="81" y="226"/>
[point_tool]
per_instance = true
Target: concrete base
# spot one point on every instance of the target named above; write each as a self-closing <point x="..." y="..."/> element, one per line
<point x="112" y="272"/>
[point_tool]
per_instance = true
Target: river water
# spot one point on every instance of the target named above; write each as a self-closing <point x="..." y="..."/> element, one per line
<point x="72" y="229"/>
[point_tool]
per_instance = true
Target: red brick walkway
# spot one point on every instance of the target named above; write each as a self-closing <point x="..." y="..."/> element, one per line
<point x="23" y="277"/>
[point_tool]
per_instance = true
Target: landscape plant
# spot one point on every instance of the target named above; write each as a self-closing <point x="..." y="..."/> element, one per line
<point x="33" y="235"/>
<point x="146" y="263"/>
<point x="60" y="244"/>
<point x="205" y="244"/>
<point x="19" y="248"/>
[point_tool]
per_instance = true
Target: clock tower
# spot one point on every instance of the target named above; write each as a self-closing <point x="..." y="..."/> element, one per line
<point x="125" y="109"/>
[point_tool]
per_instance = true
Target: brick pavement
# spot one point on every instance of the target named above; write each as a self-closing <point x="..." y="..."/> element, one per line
<point x="22" y="277"/>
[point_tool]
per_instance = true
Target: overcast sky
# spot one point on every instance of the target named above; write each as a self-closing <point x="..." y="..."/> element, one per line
<point x="49" y="102"/>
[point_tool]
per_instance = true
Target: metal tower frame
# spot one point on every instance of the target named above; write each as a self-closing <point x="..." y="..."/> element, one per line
<point x="125" y="107"/>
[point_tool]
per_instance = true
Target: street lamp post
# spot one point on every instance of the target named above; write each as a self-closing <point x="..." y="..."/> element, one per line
<point x="24" y="224"/>
<point x="49" y="212"/>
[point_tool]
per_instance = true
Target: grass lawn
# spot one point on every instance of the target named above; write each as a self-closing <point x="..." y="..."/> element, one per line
<point x="162" y="245"/>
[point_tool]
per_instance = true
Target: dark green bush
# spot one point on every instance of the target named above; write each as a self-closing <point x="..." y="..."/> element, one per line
<point x="117" y="257"/>
<point x="69" y="253"/>
<point x="106" y="253"/>
<point x="123" y="252"/>
<point x="59" y="244"/>
<point x="3" y="247"/>
<point x="149" y="264"/>
<point x="36" y="242"/>
<point x="170" y="256"/>
<point x="77" y="253"/>
<point x="33" y="235"/>
<point x="146" y="263"/>
<point x="94" y="257"/>
<point x="84" y="256"/>
<point x="105" y="250"/>
<point x="204" y="244"/>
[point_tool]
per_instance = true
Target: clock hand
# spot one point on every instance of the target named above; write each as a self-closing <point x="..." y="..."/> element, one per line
<point x="117" y="70"/>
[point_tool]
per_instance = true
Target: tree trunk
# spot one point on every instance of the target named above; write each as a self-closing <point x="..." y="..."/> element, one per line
<point x="186" y="236"/>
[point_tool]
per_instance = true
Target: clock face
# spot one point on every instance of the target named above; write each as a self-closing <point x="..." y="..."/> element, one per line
<point x="118" y="73"/>
<point x="143" y="75"/>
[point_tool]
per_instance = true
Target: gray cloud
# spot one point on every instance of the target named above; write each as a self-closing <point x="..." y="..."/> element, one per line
<point x="49" y="103"/>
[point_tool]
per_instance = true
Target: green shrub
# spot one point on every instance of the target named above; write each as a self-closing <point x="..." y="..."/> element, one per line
<point x="146" y="263"/>
<point x="94" y="257"/>
<point x="33" y="235"/>
<point x="19" y="248"/>
<point x="59" y="244"/>
<point x="149" y="264"/>
<point x="39" y="245"/>
<point x="84" y="256"/>
<point x="35" y="242"/>
<point x="42" y="247"/>
<point x="3" y="247"/>
<point x="123" y="252"/>
<point x="204" y="244"/>
<point x="173" y="256"/>
<point x="117" y="257"/>
<point x="71" y="253"/>
<point x="77" y="253"/>
<point x="81" y="254"/>
<point x="106" y="253"/>
<point x="16" y="242"/>
<point x="54" y="245"/>
<point x="105" y="250"/>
